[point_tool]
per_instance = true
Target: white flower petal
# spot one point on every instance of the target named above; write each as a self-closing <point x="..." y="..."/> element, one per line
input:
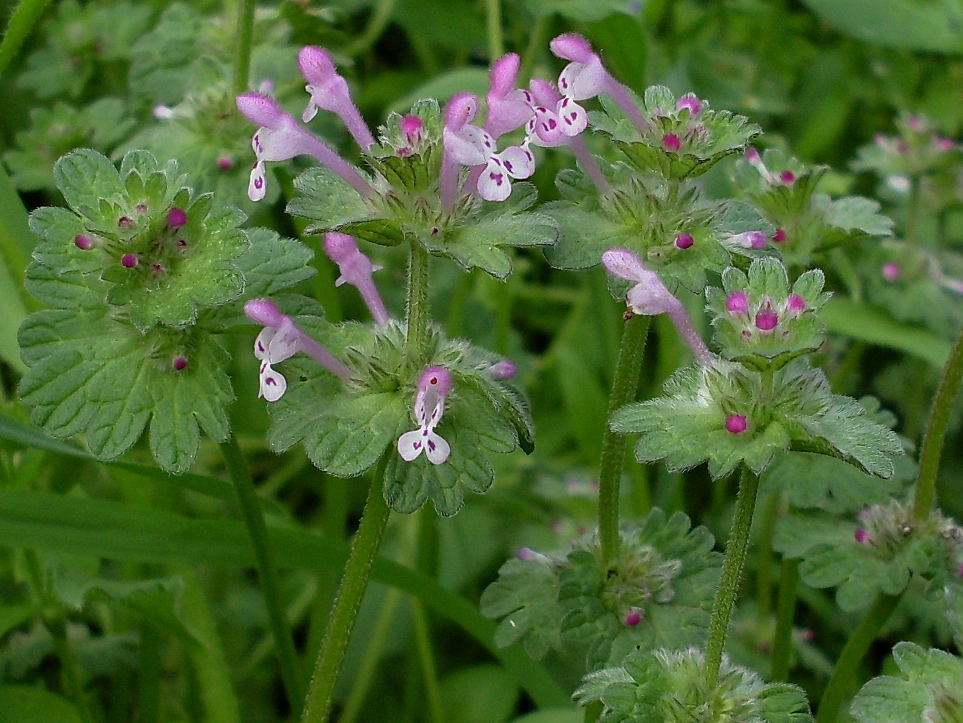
<point x="257" y="187"/>
<point x="518" y="161"/>
<point x="436" y="448"/>
<point x="494" y="183"/>
<point x="411" y="444"/>
<point x="572" y="117"/>
<point x="263" y="341"/>
<point x="273" y="384"/>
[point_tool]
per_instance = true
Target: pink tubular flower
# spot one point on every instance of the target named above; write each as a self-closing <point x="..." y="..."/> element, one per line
<point x="356" y="269"/>
<point x="649" y="297"/>
<point x="279" y="340"/>
<point x="586" y="77"/>
<point x="280" y="138"/>
<point x="330" y="91"/>
<point x="433" y="386"/>
<point x="749" y="240"/>
<point x="508" y="107"/>
<point x="472" y="146"/>
<point x="505" y="369"/>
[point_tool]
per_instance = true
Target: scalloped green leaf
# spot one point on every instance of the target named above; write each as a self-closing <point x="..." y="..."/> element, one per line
<point x="91" y="374"/>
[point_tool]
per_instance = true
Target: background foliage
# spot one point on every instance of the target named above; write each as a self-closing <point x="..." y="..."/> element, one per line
<point x="132" y="585"/>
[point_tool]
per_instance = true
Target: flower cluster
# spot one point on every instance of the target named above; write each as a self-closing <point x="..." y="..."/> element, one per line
<point x="656" y="592"/>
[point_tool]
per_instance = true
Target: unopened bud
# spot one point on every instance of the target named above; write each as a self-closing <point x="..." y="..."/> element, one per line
<point x="736" y="423"/>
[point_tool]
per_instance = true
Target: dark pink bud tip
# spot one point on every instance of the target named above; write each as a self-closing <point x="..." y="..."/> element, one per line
<point x="129" y="260"/>
<point x="737" y="302"/>
<point x="125" y="222"/>
<point x="633" y="618"/>
<point x="787" y="177"/>
<point x="684" y="240"/>
<point x="670" y="141"/>
<point x="959" y="570"/>
<point x="224" y="163"/>
<point x="176" y="217"/>
<point x="779" y="236"/>
<point x="891" y="271"/>
<point x="83" y="241"/>
<point x="179" y="362"/>
<point x="795" y="304"/>
<point x="411" y="126"/>
<point x="767" y="320"/>
<point x="861" y="536"/>
<point x="736" y="424"/>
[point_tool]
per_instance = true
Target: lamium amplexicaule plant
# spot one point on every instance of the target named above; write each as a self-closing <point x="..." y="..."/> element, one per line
<point x="165" y="305"/>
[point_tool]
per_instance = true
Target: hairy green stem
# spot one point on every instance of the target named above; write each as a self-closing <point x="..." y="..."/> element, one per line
<point x="935" y="435"/>
<point x="731" y="574"/>
<point x="417" y="313"/>
<point x="243" y="41"/>
<point x="267" y="571"/>
<point x="493" y="15"/>
<point x="841" y="681"/>
<point x="612" y="462"/>
<point x="537" y="36"/>
<point x="344" y="614"/>
<point x="785" y="614"/>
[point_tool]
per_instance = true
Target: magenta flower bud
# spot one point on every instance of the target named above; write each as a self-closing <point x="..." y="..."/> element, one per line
<point x="691" y="102"/>
<point x="767" y="320"/>
<point x="412" y="126"/>
<point x="684" y="240"/>
<point x="83" y="241"/>
<point x="264" y="312"/>
<point x="795" y="304"/>
<point x="861" y="536"/>
<point x="505" y="369"/>
<point x="787" y="177"/>
<point x="757" y="239"/>
<point x="737" y="302"/>
<point x="915" y="123"/>
<point x="176" y="217"/>
<point x="179" y="363"/>
<point x="944" y="144"/>
<point x="779" y="236"/>
<point x="125" y="222"/>
<point x="752" y="156"/>
<point x="633" y="618"/>
<point x="129" y="260"/>
<point x="671" y="142"/>
<point x="736" y="423"/>
<point x="959" y="570"/>
<point x="224" y="163"/>
<point x="891" y="271"/>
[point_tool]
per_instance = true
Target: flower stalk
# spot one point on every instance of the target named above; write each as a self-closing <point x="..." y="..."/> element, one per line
<point x="731" y="574"/>
<point x="935" y="435"/>
<point x="612" y="461"/>
<point x="344" y="614"/>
